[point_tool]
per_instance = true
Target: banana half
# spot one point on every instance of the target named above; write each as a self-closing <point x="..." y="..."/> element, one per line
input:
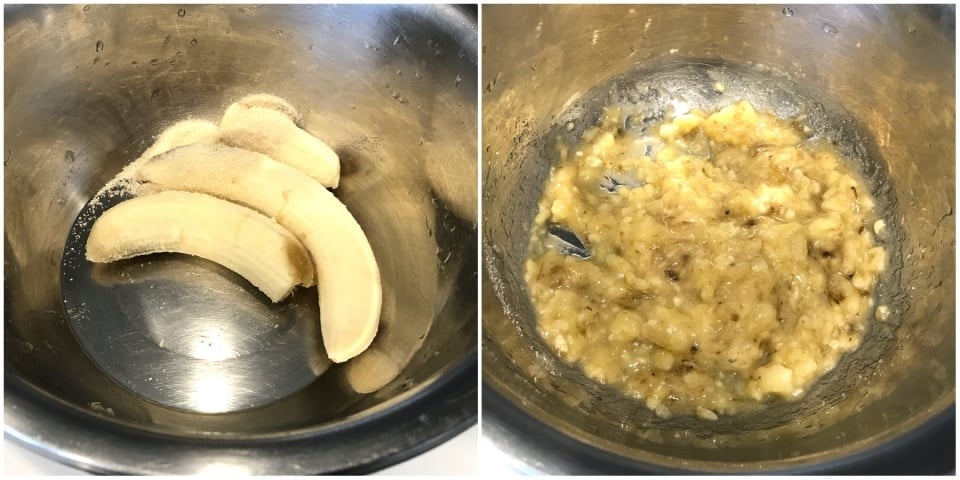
<point x="269" y="129"/>
<point x="347" y="277"/>
<point x="271" y="102"/>
<point x="241" y="239"/>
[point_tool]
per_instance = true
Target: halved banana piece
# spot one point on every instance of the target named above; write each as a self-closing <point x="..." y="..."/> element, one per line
<point x="238" y="238"/>
<point x="348" y="279"/>
<point x="184" y="133"/>
<point x="274" y="134"/>
<point x="271" y="102"/>
<point x="371" y="370"/>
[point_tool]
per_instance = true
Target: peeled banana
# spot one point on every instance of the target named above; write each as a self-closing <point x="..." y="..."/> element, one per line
<point x="184" y="133"/>
<point x="347" y="276"/>
<point x="371" y="370"/>
<point x="273" y="133"/>
<point x="239" y="238"/>
<point x="271" y="102"/>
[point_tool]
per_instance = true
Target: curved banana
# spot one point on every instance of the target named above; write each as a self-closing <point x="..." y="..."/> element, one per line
<point x="348" y="279"/>
<point x="274" y="134"/>
<point x="371" y="371"/>
<point x="236" y="237"/>
<point x="184" y="133"/>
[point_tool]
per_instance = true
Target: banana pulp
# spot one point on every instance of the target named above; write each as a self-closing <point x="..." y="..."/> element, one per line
<point x="730" y="262"/>
<point x="186" y="185"/>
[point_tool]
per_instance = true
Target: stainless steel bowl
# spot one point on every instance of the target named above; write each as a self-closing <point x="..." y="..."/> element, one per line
<point x="879" y="80"/>
<point x="169" y="364"/>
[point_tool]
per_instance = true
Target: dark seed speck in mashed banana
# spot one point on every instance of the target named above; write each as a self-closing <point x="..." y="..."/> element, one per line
<point x="730" y="262"/>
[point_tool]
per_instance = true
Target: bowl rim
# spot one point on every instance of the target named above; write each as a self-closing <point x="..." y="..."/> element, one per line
<point x="396" y="430"/>
<point x="927" y="448"/>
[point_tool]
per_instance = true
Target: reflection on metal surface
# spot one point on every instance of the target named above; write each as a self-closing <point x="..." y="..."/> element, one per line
<point x="220" y="470"/>
<point x="169" y="327"/>
<point x="211" y="393"/>
<point x="211" y="346"/>
<point x="408" y="306"/>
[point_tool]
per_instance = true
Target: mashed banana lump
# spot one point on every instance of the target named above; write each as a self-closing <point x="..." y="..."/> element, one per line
<point x="728" y="261"/>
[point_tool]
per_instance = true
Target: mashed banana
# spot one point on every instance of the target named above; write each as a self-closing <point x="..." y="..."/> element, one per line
<point x="728" y="264"/>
